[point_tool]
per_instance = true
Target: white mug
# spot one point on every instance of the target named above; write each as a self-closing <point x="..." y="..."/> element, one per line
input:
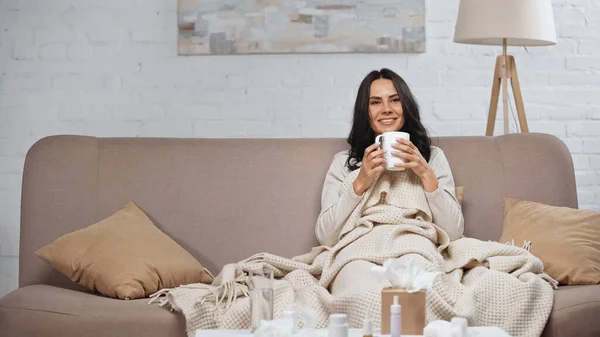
<point x="385" y="140"/>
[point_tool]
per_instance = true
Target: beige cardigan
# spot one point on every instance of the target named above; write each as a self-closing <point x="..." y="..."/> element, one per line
<point x="336" y="207"/>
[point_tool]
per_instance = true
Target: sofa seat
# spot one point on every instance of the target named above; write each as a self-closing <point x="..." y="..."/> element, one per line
<point x="575" y="312"/>
<point x="42" y="310"/>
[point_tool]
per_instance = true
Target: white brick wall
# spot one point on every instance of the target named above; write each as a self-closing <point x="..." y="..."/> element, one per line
<point x="110" y="68"/>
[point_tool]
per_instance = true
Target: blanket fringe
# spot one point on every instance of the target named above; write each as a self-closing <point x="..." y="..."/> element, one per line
<point x="549" y="279"/>
<point x="526" y="244"/>
<point x="226" y="294"/>
<point x="258" y="257"/>
<point x="160" y="297"/>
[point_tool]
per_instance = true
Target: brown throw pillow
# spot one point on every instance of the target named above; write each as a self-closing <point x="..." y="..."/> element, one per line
<point x="123" y="256"/>
<point x="567" y="240"/>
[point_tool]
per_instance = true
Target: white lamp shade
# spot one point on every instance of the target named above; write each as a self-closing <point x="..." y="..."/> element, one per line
<point x="521" y="22"/>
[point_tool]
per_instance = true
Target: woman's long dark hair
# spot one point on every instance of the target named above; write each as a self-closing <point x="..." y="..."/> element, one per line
<point x="362" y="135"/>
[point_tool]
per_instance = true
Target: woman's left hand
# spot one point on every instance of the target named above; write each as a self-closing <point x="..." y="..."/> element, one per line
<point x="413" y="160"/>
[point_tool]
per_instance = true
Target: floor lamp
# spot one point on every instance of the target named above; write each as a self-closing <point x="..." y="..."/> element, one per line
<point x="505" y="23"/>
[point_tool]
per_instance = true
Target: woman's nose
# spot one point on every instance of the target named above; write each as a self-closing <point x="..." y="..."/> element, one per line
<point x="387" y="107"/>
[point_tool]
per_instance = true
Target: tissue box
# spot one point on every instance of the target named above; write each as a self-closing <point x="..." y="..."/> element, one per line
<point x="413" y="310"/>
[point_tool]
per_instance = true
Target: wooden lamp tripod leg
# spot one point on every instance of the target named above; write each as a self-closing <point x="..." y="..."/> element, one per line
<point x="489" y="131"/>
<point x="516" y="87"/>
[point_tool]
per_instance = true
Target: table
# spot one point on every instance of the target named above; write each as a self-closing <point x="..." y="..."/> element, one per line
<point x="477" y="331"/>
<point x="248" y="333"/>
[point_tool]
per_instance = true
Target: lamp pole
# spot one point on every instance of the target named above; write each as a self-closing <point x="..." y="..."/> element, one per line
<point x="505" y="76"/>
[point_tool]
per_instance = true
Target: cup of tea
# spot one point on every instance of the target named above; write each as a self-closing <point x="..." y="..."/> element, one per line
<point x="385" y="141"/>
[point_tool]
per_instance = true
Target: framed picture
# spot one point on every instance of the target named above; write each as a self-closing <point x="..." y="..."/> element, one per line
<point x="218" y="27"/>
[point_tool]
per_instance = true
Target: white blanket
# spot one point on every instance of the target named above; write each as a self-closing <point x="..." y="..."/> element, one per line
<point x="489" y="283"/>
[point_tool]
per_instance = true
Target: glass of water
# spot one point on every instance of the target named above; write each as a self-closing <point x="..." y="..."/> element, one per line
<point x="261" y="306"/>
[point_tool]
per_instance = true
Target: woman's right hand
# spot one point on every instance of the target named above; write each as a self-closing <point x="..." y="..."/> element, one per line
<point x="373" y="163"/>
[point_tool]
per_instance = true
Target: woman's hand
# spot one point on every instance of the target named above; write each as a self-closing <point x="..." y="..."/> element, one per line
<point x="372" y="164"/>
<point x="416" y="162"/>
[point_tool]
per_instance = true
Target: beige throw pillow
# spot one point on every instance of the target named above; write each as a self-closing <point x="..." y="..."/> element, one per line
<point x="567" y="240"/>
<point x="124" y="256"/>
<point x="459" y="193"/>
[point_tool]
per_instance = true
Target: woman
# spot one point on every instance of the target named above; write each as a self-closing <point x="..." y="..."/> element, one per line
<point x="370" y="216"/>
<point x="385" y="103"/>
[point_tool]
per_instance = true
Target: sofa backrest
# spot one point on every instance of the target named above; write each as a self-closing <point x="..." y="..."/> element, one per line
<point x="226" y="199"/>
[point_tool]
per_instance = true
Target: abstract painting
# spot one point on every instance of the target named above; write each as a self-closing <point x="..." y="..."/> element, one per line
<point x="220" y="27"/>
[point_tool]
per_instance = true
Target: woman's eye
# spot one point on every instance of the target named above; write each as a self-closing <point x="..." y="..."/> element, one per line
<point x="396" y="100"/>
<point x="374" y="102"/>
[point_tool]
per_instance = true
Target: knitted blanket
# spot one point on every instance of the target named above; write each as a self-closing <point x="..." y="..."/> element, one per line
<point x="489" y="283"/>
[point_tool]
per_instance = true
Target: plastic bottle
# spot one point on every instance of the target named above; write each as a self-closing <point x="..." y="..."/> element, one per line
<point x="309" y="321"/>
<point x="368" y="325"/>
<point x="395" y="319"/>
<point x="338" y="325"/>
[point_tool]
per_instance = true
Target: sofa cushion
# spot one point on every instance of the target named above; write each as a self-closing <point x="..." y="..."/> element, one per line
<point x="123" y="256"/>
<point x="575" y="312"/>
<point x="69" y="313"/>
<point x="567" y="240"/>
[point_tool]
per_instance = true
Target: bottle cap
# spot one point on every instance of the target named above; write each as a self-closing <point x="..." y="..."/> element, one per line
<point x="338" y="319"/>
<point x="459" y="321"/>
<point x="396" y="308"/>
<point x="288" y="314"/>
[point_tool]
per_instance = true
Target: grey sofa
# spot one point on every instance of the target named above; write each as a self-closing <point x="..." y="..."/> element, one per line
<point x="187" y="188"/>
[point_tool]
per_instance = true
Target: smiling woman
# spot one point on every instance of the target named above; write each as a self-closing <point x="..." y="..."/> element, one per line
<point x="385" y="103"/>
<point x="385" y="106"/>
<point x="384" y="95"/>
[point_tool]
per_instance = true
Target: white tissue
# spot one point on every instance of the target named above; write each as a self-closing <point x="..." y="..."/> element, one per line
<point x="403" y="272"/>
<point x="276" y="328"/>
<point x="447" y="329"/>
<point x="284" y="327"/>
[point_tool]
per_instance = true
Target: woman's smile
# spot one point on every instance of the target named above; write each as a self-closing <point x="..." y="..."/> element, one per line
<point x="388" y="121"/>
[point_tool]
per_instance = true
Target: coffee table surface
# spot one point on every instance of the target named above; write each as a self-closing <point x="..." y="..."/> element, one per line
<point x="482" y="331"/>
<point x="247" y="333"/>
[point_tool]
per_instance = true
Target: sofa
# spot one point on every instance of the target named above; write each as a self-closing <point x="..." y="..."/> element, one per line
<point x="185" y="186"/>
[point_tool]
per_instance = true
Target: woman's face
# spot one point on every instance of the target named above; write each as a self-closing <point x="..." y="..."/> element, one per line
<point x="385" y="108"/>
